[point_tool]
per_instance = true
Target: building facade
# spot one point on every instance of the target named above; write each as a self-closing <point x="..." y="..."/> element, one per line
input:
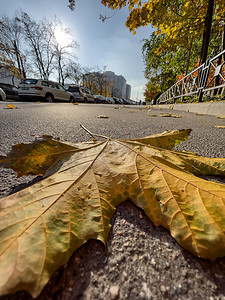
<point x="119" y="87"/>
<point x="128" y="91"/>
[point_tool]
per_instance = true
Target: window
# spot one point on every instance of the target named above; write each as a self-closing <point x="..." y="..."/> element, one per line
<point x="29" y="81"/>
<point x="61" y="88"/>
<point x="74" y="89"/>
<point x="44" y="83"/>
<point x="52" y="85"/>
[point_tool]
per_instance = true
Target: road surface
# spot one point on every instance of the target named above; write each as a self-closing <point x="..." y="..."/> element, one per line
<point x="139" y="261"/>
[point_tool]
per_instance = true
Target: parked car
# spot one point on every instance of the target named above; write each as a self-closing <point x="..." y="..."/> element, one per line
<point x="81" y="94"/>
<point x="109" y="100"/>
<point x="10" y="90"/>
<point x="99" y="98"/>
<point x="2" y="95"/>
<point x="126" y="101"/>
<point x="118" y="100"/>
<point x="39" y="89"/>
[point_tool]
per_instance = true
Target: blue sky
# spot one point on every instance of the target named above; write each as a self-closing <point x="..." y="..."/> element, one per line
<point x="107" y="44"/>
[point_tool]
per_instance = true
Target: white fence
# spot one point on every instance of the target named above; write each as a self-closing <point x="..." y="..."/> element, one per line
<point x="208" y="78"/>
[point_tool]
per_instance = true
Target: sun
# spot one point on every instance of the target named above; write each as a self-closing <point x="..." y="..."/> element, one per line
<point x="62" y="37"/>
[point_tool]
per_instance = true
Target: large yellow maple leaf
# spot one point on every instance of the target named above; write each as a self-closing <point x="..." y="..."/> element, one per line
<point x="41" y="226"/>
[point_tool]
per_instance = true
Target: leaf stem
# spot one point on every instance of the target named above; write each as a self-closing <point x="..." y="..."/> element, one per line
<point x="93" y="135"/>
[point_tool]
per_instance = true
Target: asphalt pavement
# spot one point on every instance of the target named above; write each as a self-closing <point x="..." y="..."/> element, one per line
<point x="139" y="261"/>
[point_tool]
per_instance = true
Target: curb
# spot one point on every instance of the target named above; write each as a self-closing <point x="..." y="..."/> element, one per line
<point x="207" y="108"/>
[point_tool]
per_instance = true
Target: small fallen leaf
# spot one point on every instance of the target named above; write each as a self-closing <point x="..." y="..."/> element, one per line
<point x="10" y="106"/>
<point x="76" y="103"/>
<point x="171" y="107"/>
<point x="170" y="115"/>
<point x="219" y="126"/>
<point x="152" y="115"/>
<point x="198" y="114"/>
<point x="166" y="115"/>
<point x="102" y="117"/>
<point x="221" y="117"/>
<point x="176" y="116"/>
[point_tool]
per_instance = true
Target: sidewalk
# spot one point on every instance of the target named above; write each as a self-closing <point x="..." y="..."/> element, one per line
<point x="208" y="108"/>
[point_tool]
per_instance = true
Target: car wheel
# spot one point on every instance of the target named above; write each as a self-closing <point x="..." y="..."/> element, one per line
<point x="49" y="98"/>
<point x="72" y="99"/>
<point x="85" y="100"/>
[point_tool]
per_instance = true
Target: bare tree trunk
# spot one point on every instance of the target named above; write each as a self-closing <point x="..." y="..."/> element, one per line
<point x="19" y="60"/>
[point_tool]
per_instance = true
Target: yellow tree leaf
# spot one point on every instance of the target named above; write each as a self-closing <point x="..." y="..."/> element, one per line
<point x="10" y="106"/>
<point x="42" y="225"/>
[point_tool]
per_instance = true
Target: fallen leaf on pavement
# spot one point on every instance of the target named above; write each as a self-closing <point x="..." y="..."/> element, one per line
<point x="219" y="126"/>
<point x="176" y="116"/>
<point x="102" y="117"/>
<point x="42" y="225"/>
<point x="166" y="115"/>
<point x="170" y="115"/>
<point x="10" y="106"/>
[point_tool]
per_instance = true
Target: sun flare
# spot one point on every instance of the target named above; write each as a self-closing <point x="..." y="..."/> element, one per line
<point x="62" y="37"/>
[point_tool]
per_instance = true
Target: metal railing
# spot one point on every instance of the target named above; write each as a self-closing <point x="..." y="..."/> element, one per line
<point x="207" y="79"/>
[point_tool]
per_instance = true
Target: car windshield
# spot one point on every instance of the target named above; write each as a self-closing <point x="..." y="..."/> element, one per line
<point x="74" y="89"/>
<point x="61" y="88"/>
<point x="29" y="81"/>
